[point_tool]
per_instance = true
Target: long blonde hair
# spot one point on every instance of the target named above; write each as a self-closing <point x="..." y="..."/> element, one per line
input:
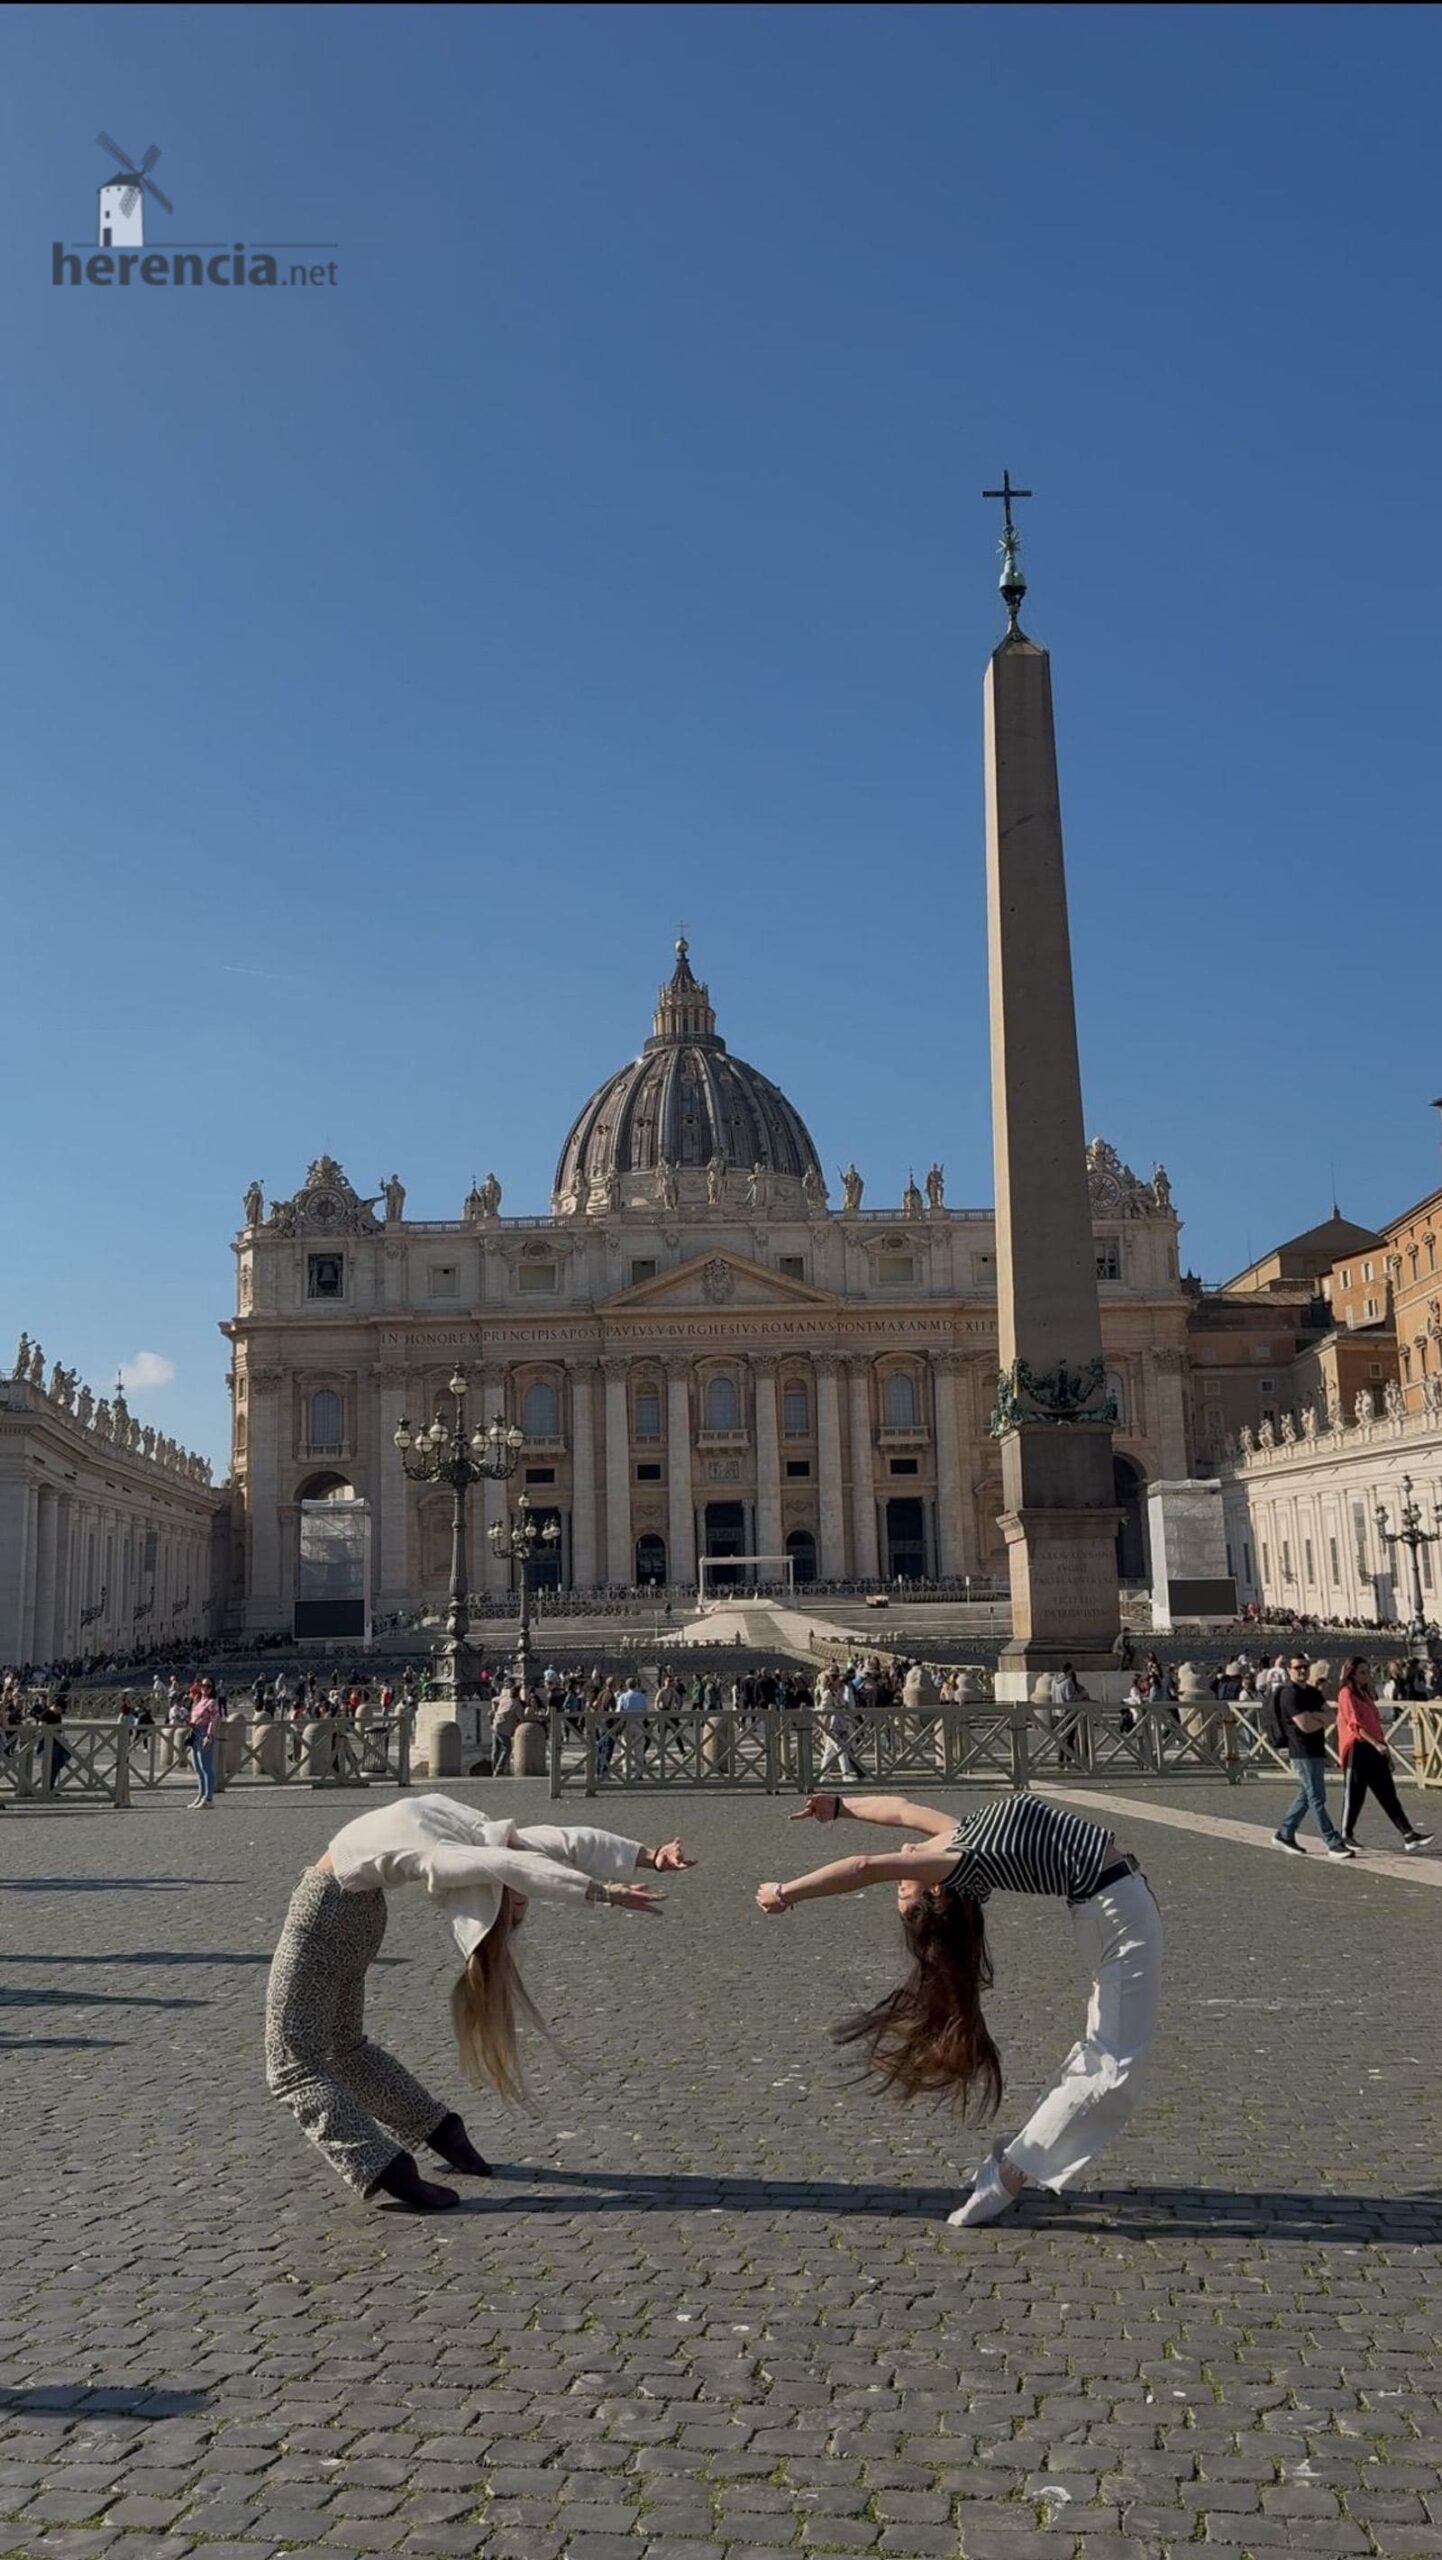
<point x="487" y="2003"/>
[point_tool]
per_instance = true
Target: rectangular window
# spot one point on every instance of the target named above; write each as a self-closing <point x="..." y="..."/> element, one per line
<point x="1246" y="1560"/>
<point x="1359" y="1535"/>
<point x="643" y="1268"/>
<point x="792" y="1266"/>
<point x="798" y="1466"/>
<point x="444" y="1280"/>
<point x="648" y="1473"/>
<point x="536" y="1279"/>
<point x="1307" y="1565"/>
<point x="1374" y="1369"/>
<point x="905" y="1467"/>
<point x="540" y="1475"/>
<point x="325" y="1275"/>
<point x="1407" y="1366"/>
<point x="1369" y="1310"/>
<point x="1335" y="1563"/>
<point x="895" y="1270"/>
<point x="1346" y="1279"/>
<point x="1366" y="1270"/>
<point x="1267" y="1386"/>
<point x="1266" y="1562"/>
<point x="1109" y="1259"/>
<point x="983" y="1267"/>
<point x="1286" y="1559"/>
<point x="795" y="1418"/>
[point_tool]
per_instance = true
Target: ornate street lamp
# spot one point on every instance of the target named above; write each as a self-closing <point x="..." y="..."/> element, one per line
<point x="1414" y="1538"/>
<point x="440" y="1452"/>
<point x="520" y="1540"/>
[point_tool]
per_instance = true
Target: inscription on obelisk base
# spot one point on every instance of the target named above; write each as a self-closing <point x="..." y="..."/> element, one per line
<point x="1053" y="1419"/>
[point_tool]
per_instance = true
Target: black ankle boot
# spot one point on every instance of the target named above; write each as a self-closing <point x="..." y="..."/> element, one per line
<point x="403" y="2180"/>
<point x="451" y="2143"/>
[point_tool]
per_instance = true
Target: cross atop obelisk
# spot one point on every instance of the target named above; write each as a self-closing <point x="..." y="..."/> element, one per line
<point x="1053" y="1411"/>
<point x="1011" y="583"/>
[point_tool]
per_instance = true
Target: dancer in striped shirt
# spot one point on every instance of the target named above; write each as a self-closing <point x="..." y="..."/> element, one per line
<point x="929" y="2037"/>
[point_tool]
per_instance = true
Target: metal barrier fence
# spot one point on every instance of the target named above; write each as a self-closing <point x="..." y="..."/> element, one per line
<point x="776" y="1750"/>
<point x="48" y="1765"/>
<point x="105" y="1762"/>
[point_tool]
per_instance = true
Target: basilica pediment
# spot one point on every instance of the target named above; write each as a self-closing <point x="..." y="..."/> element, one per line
<point x="719" y="1279"/>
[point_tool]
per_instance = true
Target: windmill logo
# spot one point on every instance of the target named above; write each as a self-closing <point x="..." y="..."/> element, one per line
<point x="122" y="258"/>
<point x="122" y="200"/>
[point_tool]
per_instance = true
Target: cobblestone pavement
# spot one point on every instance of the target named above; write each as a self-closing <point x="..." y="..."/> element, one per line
<point x="710" y="2304"/>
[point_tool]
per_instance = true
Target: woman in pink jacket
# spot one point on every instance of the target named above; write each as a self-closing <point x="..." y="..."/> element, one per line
<point x="1366" y="1760"/>
<point x="204" y="1717"/>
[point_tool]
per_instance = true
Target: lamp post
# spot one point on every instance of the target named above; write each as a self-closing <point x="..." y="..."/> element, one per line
<point x="442" y="1452"/>
<point x="1414" y="1538"/>
<point x="519" y="1539"/>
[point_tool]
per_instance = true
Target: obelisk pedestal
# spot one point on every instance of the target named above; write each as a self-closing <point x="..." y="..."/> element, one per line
<point x="1053" y="1417"/>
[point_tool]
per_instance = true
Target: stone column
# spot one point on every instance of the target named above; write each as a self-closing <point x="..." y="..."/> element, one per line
<point x="863" y="1490"/>
<point x="1060" y="1513"/>
<point x="583" y="1474"/>
<point x="47" y="1524"/>
<point x="831" y="1563"/>
<point x="950" y="1501"/>
<point x="620" y="1562"/>
<point x="64" y="1575"/>
<point x="262" y="1502"/>
<point x="768" y="1459"/>
<point x="491" y="1573"/>
<point x="680" y="1512"/>
<point x="391" y="1578"/>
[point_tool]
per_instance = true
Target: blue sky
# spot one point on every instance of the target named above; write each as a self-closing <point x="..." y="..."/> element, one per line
<point x="390" y="666"/>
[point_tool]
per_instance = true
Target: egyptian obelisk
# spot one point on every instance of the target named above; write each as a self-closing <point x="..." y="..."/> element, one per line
<point x="1053" y="1418"/>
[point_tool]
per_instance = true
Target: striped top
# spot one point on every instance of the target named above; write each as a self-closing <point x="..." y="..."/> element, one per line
<point x="1025" y="1845"/>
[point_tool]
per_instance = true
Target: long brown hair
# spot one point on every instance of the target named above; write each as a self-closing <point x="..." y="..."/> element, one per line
<point x="487" y="2002"/>
<point x="928" y="2038"/>
<point x="1350" y="1676"/>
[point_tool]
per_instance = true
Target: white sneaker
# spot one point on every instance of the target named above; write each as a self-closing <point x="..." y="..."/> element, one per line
<point x="1416" y="1840"/>
<point x="989" y="2198"/>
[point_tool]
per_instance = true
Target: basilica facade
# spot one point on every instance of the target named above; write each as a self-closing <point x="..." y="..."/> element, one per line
<point x="706" y="1357"/>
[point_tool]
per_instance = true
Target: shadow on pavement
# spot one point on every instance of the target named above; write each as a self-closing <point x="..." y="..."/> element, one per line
<point x="1142" y="2213"/>
<point x="58" y="2044"/>
<point x="36" y="1996"/>
<point x="109" y="1884"/>
<point x="96" y="2401"/>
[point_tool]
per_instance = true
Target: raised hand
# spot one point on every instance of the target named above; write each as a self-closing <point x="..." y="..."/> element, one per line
<point x="670" y="1858"/>
<point x="819" y="1808"/>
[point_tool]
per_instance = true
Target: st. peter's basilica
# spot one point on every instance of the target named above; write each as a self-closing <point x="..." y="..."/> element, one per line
<point x="707" y="1358"/>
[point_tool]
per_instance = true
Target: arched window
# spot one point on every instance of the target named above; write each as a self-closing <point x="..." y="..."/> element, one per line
<point x="801" y="1547"/>
<point x="795" y="1410"/>
<point x="648" y="1413"/>
<point x="899" y="1403"/>
<point x="540" y="1412"/>
<point x="325" y="1419"/>
<point x="650" y="1559"/>
<point x="723" y="1405"/>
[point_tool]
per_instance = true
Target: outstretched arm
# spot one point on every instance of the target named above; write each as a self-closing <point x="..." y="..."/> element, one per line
<point x="895" y="1813"/>
<point x="852" y="1875"/>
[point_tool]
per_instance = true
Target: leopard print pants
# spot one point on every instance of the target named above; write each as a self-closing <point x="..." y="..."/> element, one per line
<point x="318" y="2059"/>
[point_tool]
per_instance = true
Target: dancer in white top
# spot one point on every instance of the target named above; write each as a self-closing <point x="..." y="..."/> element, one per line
<point x="341" y="2088"/>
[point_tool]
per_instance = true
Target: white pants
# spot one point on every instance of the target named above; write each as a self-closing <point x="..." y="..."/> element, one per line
<point x="836" y="1755"/>
<point x="1119" y="1935"/>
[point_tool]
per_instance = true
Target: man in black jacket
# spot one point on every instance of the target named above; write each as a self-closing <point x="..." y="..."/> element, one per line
<point x="1299" y="1713"/>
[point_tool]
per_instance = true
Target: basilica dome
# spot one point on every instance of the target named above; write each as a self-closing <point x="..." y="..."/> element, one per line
<point x="686" y="1122"/>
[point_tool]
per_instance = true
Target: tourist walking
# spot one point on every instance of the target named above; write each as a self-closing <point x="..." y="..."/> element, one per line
<point x="343" y="2089"/>
<point x="1297" y="1719"/>
<point x="204" y="1717"/>
<point x="1366" y="1760"/>
<point x="837" y="1718"/>
<point x="929" y="2038"/>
